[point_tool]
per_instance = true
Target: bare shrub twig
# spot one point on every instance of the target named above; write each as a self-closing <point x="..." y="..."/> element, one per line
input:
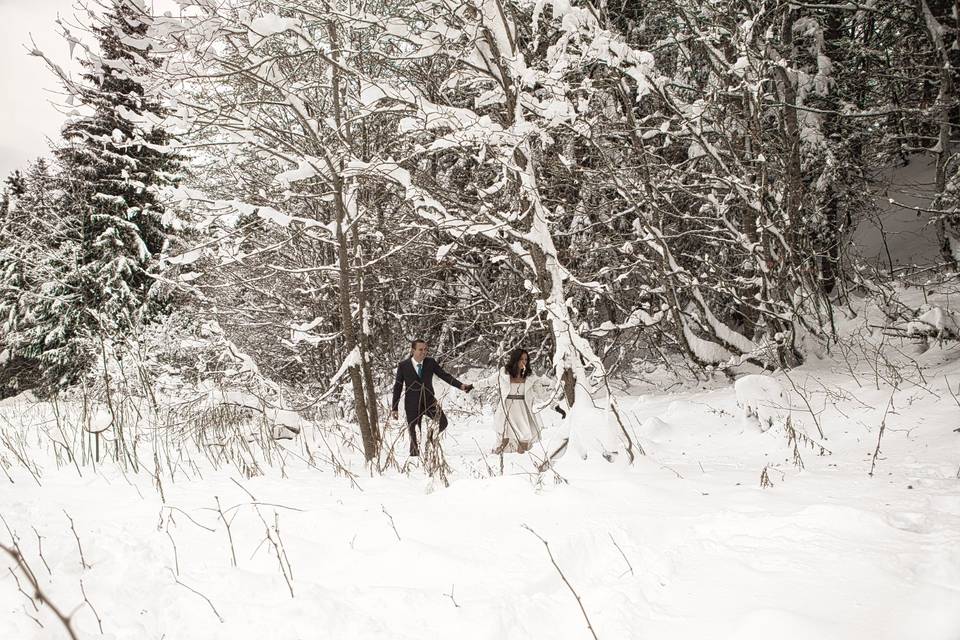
<point x="565" y="581"/>
<point x="38" y="593"/>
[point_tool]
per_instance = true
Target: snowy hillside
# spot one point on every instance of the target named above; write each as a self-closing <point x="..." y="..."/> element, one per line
<point x="724" y="530"/>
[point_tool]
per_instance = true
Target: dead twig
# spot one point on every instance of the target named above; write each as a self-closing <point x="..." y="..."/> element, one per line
<point x="630" y="566"/>
<point x="90" y="604"/>
<point x="273" y="537"/>
<point x="176" y="559"/>
<point x="392" y="524"/>
<point x="803" y="396"/>
<point x="83" y="560"/>
<point x="189" y="588"/>
<point x="450" y="595"/>
<point x="40" y="549"/>
<point x="883" y="426"/>
<point x="38" y="593"/>
<point x="20" y="589"/>
<point x="233" y="553"/>
<point x="166" y="506"/>
<point x="565" y="581"/>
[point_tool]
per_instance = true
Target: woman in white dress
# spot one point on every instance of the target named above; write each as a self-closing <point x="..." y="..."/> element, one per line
<point x="516" y="422"/>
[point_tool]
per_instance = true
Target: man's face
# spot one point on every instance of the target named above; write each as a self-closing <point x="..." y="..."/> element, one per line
<point x="420" y="351"/>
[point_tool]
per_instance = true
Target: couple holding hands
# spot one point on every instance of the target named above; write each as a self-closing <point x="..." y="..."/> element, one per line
<point x="516" y="423"/>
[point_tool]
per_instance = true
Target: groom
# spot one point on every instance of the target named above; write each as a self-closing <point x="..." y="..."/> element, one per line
<point x="416" y="373"/>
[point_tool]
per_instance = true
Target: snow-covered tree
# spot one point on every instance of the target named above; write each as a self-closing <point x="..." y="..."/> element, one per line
<point x="26" y="239"/>
<point x="114" y="163"/>
<point x="109" y="228"/>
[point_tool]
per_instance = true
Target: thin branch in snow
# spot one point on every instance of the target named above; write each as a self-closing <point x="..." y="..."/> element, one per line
<point x="38" y="593"/>
<point x="177" y="580"/>
<point x="166" y="506"/>
<point x="565" y="581"/>
<point x="176" y="559"/>
<point x="83" y="561"/>
<point x="233" y="553"/>
<point x="86" y="600"/>
<point x="630" y="566"/>
<point x="450" y="595"/>
<point x="26" y="595"/>
<point x="806" y="401"/>
<point x="392" y="524"/>
<point x="883" y="426"/>
<point x="40" y="549"/>
<point x="273" y="537"/>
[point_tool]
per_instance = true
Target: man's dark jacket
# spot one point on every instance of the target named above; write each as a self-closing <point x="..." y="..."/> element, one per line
<point x="419" y="399"/>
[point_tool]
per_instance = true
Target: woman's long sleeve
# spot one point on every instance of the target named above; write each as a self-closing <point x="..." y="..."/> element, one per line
<point x="492" y="380"/>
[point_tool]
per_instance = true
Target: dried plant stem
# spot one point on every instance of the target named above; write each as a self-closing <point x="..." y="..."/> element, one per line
<point x="28" y="596"/>
<point x="83" y="561"/>
<point x="450" y="595"/>
<point x="90" y="604"/>
<point x="565" y="581"/>
<point x="38" y="593"/>
<point x="177" y="580"/>
<point x="176" y="559"/>
<point x="630" y="566"/>
<point x="40" y="549"/>
<point x="883" y="426"/>
<point x="392" y="524"/>
<point x="806" y="401"/>
<point x="233" y="553"/>
<point x="273" y="537"/>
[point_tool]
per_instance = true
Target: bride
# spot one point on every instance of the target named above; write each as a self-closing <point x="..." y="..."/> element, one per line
<point x="516" y="423"/>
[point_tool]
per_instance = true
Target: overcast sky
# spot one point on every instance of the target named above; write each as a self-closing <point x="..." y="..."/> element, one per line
<point x="26" y="116"/>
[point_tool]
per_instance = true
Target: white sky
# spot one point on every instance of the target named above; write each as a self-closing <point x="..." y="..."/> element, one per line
<point x="27" y="88"/>
<point x="26" y="116"/>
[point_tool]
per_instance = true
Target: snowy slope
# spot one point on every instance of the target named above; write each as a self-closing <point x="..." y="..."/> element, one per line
<point x="684" y="544"/>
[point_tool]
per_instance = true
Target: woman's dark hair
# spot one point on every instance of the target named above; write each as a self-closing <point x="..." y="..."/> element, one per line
<point x="513" y="364"/>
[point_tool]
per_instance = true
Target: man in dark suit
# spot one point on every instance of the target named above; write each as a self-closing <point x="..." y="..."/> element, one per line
<point x="416" y="373"/>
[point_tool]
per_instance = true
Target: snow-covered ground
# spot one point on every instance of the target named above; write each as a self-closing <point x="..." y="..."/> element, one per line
<point x="685" y="543"/>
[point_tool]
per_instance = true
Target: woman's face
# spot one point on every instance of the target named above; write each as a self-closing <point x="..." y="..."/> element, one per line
<point x="523" y="360"/>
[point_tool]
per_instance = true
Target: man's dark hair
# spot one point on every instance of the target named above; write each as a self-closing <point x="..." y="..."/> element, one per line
<point x="513" y="364"/>
<point x="413" y="345"/>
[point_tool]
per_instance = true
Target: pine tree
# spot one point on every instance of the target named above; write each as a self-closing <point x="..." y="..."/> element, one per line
<point x="112" y="167"/>
<point x="15" y="181"/>
<point x="24" y="245"/>
<point x="109" y="227"/>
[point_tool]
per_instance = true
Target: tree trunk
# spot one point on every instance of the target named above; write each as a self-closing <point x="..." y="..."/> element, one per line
<point x="367" y="430"/>
<point x="365" y="350"/>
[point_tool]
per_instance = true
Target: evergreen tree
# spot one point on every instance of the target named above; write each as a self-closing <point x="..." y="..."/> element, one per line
<point x="15" y="181"/>
<point x="108" y="230"/>
<point x="24" y="245"/>
<point x="112" y="166"/>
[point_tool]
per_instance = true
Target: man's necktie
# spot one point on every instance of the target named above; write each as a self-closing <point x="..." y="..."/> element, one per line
<point x="420" y="370"/>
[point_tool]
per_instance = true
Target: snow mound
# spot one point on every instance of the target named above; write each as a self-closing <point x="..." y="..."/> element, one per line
<point x="99" y="419"/>
<point x="937" y="322"/>
<point x="656" y="429"/>
<point x="762" y="399"/>
<point x="680" y="409"/>
<point x="286" y="422"/>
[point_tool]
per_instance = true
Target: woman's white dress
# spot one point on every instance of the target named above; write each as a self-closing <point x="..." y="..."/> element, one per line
<point x="516" y="423"/>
